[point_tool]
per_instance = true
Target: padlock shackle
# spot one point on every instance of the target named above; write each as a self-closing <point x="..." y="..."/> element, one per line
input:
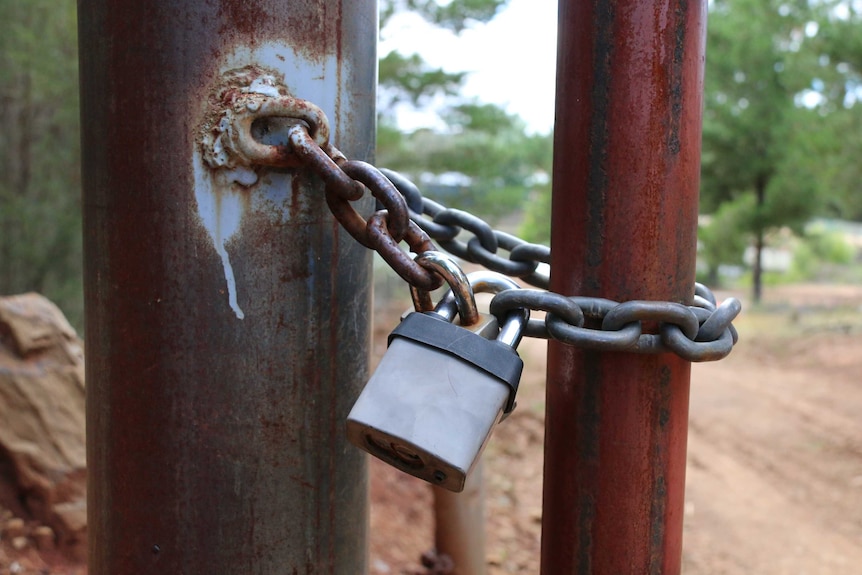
<point x="513" y="328"/>
<point x="462" y="298"/>
<point x="484" y="281"/>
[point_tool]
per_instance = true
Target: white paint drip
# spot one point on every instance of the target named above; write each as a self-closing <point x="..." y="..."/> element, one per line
<point x="220" y="206"/>
<point x="225" y="193"/>
<point x="231" y="281"/>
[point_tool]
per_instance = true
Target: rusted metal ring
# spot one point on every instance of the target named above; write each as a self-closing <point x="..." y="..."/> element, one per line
<point x="398" y="218"/>
<point x="422" y="301"/>
<point x="348" y="217"/>
<point x="320" y="162"/>
<point x="252" y="107"/>
<point x="378" y="238"/>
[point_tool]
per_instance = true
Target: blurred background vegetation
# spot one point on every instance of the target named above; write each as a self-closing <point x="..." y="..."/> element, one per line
<point x="781" y="177"/>
<point x="40" y="180"/>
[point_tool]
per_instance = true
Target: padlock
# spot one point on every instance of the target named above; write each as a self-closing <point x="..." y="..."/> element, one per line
<point x="431" y="405"/>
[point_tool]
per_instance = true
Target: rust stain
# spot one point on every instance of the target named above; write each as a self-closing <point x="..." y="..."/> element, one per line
<point x="677" y="76"/>
<point x="624" y="208"/>
<point x="597" y="186"/>
<point x="180" y="384"/>
<point x="242" y="19"/>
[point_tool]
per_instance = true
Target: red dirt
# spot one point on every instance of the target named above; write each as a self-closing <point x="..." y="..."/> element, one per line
<point x="774" y="480"/>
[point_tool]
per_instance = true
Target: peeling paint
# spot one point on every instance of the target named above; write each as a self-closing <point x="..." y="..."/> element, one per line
<point x="227" y="185"/>
<point x="214" y="401"/>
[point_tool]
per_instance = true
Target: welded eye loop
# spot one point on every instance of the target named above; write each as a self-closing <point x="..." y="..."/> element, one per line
<point x="253" y="107"/>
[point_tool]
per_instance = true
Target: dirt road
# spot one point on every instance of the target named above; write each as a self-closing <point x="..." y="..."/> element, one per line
<point x="775" y="457"/>
<point x="774" y="482"/>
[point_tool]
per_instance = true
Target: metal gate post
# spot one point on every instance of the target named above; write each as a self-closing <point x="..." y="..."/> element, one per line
<point x="227" y="320"/>
<point x="626" y="175"/>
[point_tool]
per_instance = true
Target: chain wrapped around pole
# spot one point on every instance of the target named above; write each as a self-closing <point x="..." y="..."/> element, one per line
<point x="702" y="331"/>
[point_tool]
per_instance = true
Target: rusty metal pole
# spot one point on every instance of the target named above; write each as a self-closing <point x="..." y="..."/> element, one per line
<point x="227" y="319"/>
<point x="626" y="174"/>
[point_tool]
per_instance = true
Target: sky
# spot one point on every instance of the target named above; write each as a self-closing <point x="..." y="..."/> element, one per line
<point x="510" y="60"/>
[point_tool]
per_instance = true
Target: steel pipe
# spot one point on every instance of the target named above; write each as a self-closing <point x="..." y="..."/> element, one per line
<point x="625" y="196"/>
<point x="227" y="319"/>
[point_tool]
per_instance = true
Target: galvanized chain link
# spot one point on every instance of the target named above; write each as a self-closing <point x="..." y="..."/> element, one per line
<point x="446" y="224"/>
<point x="699" y="332"/>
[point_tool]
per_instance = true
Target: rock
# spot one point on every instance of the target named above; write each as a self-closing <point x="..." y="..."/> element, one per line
<point x="70" y="522"/>
<point x="13" y="528"/>
<point x="42" y="439"/>
<point x="44" y="538"/>
<point x="19" y="543"/>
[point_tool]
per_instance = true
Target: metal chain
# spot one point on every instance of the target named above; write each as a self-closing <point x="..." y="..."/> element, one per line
<point x="699" y="332"/>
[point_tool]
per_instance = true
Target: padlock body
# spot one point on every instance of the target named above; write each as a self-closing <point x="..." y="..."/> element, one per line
<point x="427" y="411"/>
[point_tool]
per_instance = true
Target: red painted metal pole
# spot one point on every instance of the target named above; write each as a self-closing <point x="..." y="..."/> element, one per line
<point x="626" y="174"/>
<point x="227" y="315"/>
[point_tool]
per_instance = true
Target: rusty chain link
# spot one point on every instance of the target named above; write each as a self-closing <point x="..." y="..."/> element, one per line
<point x="699" y="332"/>
<point x="345" y="181"/>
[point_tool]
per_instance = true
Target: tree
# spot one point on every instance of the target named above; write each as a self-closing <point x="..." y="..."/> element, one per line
<point x="721" y="240"/>
<point x="490" y="160"/>
<point x="756" y="132"/>
<point x="840" y="42"/>
<point x="40" y="215"/>
<point x="455" y="15"/>
<point x="40" y="244"/>
<point x="408" y="78"/>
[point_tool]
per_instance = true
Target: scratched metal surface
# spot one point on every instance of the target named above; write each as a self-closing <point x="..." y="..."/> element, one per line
<point x="630" y="77"/>
<point x="227" y="324"/>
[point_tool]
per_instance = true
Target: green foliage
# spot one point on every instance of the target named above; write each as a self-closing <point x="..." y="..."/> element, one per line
<point x="456" y="15"/>
<point x="758" y="137"/>
<point x="40" y="247"/>
<point x="724" y="238"/>
<point x="411" y="79"/>
<point x="486" y="118"/>
<point x="408" y="78"/>
<point x="817" y="250"/>
<point x="840" y="42"/>
<point x="754" y="69"/>
<point x="485" y="145"/>
<point x="496" y="161"/>
<point x="536" y="226"/>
